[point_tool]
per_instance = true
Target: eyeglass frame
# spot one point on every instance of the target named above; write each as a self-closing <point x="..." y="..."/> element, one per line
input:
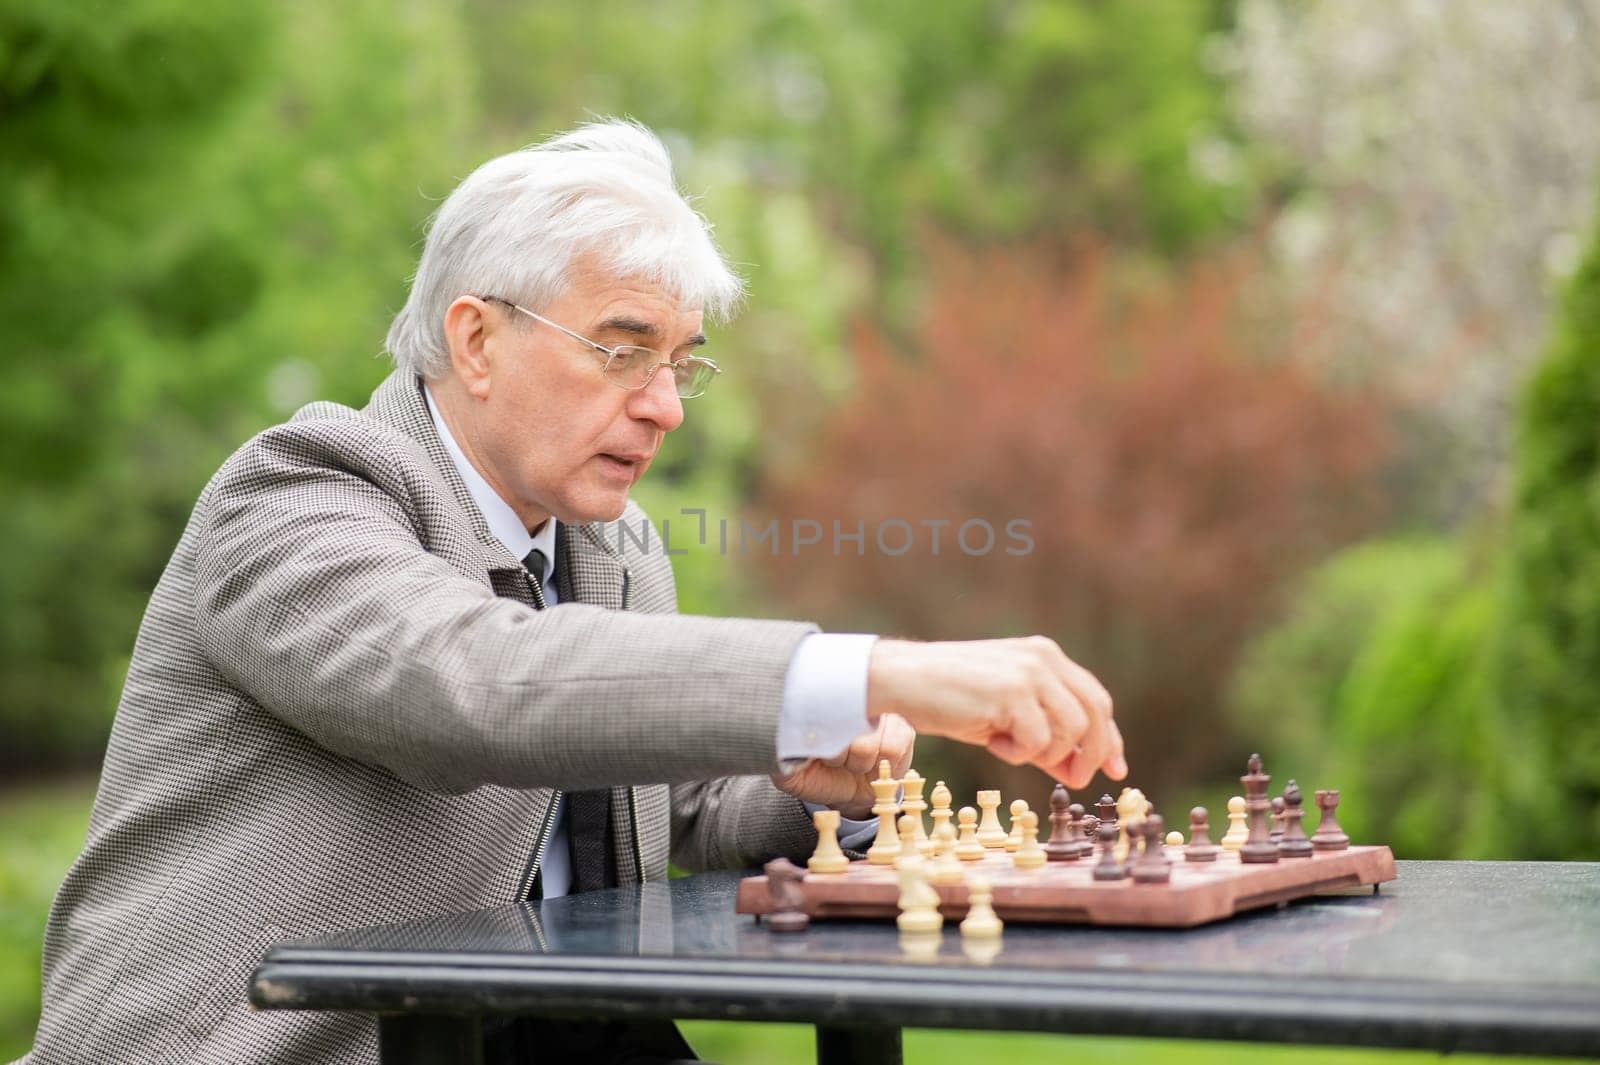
<point x="611" y="353"/>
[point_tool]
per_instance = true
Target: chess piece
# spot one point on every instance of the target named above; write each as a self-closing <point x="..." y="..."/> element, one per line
<point x="1063" y="845"/>
<point x="1088" y="832"/>
<point x="980" y="921"/>
<point x="910" y="854"/>
<point x="913" y="805"/>
<point x="1258" y="847"/>
<point x="1174" y="838"/>
<point x="1080" y="837"/>
<point x="968" y="849"/>
<point x="946" y="867"/>
<point x="1131" y="811"/>
<point x="1014" y="837"/>
<point x="886" y="847"/>
<point x="1108" y="868"/>
<point x="1237" y="833"/>
<point x="786" y="896"/>
<point x="1329" y="836"/>
<point x="1106" y="808"/>
<point x="940" y="813"/>
<point x="1276" y="835"/>
<point x="1200" y="848"/>
<point x="1294" y="843"/>
<point x="828" y="859"/>
<point x="990" y="834"/>
<point x="1152" y="866"/>
<point x="919" y="902"/>
<point x="1029" y="854"/>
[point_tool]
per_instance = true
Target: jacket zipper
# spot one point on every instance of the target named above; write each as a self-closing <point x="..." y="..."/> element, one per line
<point x="633" y="792"/>
<point x="638" y="841"/>
<point x="546" y="829"/>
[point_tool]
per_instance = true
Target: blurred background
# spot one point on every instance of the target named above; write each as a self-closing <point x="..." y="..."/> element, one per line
<point x="1279" y="322"/>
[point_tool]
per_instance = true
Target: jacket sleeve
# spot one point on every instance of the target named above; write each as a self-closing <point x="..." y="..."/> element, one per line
<point x="316" y="597"/>
<point x="737" y="823"/>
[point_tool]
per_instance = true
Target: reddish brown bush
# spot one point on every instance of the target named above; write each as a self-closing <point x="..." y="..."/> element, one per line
<point x="1174" y="467"/>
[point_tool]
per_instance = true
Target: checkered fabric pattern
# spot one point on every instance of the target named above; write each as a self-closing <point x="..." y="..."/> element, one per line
<point x="343" y="711"/>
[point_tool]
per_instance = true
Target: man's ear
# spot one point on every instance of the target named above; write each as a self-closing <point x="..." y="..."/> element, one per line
<point x="469" y="325"/>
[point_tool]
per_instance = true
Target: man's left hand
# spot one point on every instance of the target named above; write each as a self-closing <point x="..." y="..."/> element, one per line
<point x="843" y="781"/>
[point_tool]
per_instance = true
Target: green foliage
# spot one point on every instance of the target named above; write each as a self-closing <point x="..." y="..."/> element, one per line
<point x="207" y="216"/>
<point x="1454" y="702"/>
<point x="1291" y="677"/>
<point x="216" y="249"/>
<point x="1378" y="684"/>
<point x="1550" y="653"/>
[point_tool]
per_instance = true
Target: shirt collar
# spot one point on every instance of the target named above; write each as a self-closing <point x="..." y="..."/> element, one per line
<point x="503" y="521"/>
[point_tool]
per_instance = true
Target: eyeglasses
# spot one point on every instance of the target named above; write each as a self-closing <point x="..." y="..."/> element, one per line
<point x="633" y="367"/>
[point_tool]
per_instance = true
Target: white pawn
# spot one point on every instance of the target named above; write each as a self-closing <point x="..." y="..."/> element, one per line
<point x="1029" y="854"/>
<point x="981" y="921"/>
<point x="1014" y="840"/>
<point x="968" y="849"/>
<point x="909" y="854"/>
<point x="1238" y="832"/>
<point x="1174" y="839"/>
<point x="946" y="867"/>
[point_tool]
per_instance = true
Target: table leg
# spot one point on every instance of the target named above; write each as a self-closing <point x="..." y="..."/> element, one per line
<point x="840" y="1045"/>
<point x="427" y="1039"/>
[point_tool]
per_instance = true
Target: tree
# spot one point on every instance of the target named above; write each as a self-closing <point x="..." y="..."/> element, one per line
<point x="1435" y="197"/>
<point x="1172" y="475"/>
<point x="1550" y="642"/>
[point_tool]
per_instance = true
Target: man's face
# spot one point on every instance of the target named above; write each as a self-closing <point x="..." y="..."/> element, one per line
<point x="555" y="435"/>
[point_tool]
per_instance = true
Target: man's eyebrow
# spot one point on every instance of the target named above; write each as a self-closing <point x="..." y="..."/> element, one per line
<point x="640" y="328"/>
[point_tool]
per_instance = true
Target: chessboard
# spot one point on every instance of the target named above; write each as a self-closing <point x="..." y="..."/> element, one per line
<point x="1066" y="892"/>
<point x="1116" y="867"/>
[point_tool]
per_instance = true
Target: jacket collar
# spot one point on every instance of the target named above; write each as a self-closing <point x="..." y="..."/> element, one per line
<point x="597" y="574"/>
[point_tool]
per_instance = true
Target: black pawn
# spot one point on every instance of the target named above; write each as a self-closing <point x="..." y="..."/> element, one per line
<point x="1152" y="866"/>
<point x="1329" y="836"/>
<point x="1063" y="845"/>
<point x="1107" y="808"/>
<point x="1109" y="868"/>
<point x="1200" y="847"/>
<point x="1080" y="838"/>
<point x="1277" y="820"/>
<point x="1294" y="843"/>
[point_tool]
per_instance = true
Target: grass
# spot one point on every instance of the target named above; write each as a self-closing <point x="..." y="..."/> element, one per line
<point x="43" y="827"/>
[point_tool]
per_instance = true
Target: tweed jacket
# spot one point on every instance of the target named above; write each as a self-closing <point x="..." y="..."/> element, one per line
<point x="343" y="709"/>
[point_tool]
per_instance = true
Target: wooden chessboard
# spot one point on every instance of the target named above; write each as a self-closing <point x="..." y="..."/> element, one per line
<point x="1067" y="893"/>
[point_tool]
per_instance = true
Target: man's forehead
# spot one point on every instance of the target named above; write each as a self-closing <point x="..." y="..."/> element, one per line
<point x="640" y="310"/>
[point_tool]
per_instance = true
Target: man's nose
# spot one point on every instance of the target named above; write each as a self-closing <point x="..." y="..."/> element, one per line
<point x="659" y="402"/>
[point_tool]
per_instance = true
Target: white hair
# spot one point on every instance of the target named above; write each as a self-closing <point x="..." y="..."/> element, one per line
<point x="516" y="226"/>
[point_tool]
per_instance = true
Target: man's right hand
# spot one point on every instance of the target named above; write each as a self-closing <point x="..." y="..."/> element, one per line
<point x="1023" y="699"/>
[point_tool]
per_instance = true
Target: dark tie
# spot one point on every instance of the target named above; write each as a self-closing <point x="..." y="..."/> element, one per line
<point x="588" y="812"/>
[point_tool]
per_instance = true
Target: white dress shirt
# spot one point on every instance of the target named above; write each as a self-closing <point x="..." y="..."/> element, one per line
<point x="824" y="693"/>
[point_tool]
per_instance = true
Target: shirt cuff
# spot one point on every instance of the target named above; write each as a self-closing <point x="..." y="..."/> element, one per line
<point x="824" y="697"/>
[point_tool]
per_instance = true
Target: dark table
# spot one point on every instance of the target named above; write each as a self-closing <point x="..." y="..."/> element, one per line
<point x="1497" y="957"/>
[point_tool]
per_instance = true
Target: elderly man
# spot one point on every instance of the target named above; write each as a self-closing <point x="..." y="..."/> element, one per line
<point x="355" y="699"/>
